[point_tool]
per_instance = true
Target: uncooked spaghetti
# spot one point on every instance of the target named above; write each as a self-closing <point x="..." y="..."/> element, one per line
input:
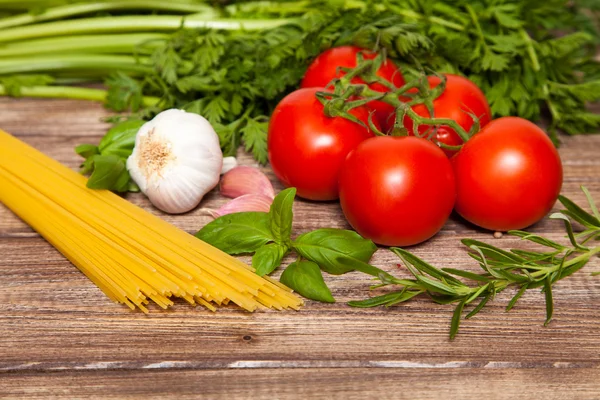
<point x="130" y="254"/>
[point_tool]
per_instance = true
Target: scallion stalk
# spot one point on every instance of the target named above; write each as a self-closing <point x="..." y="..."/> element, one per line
<point x="47" y="64"/>
<point x="69" y="92"/>
<point x="78" y="9"/>
<point x="134" y="23"/>
<point x="115" y="44"/>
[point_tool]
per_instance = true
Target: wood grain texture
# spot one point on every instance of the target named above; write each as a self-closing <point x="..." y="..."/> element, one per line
<point x="317" y="383"/>
<point x="61" y="337"/>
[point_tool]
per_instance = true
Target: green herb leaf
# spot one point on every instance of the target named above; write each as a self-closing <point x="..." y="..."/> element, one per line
<point x="477" y="293"/>
<point x="493" y="252"/>
<point x="87" y="166"/>
<point x="572" y="269"/>
<point x="327" y="247"/>
<point x="124" y="92"/>
<point x="87" y="150"/>
<point x="564" y="216"/>
<point x="345" y="264"/>
<point x="305" y="278"/>
<point x="281" y="216"/>
<point x="107" y="161"/>
<point x="517" y="296"/>
<point x="578" y="213"/>
<point x="592" y="204"/>
<point x="436" y="286"/>
<point x="110" y="173"/>
<point x="255" y="139"/>
<point x="387" y="299"/>
<point x="120" y="139"/>
<point x="467" y="274"/>
<point x="268" y="257"/>
<point x="422" y="266"/>
<point x="549" y="300"/>
<point x="537" y="239"/>
<point x="455" y="324"/>
<point x="238" y="233"/>
<point x="480" y="306"/>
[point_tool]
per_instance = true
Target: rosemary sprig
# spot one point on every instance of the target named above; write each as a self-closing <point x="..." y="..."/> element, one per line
<point x="522" y="269"/>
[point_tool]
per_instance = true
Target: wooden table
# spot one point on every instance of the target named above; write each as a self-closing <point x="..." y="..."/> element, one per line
<point x="61" y="337"/>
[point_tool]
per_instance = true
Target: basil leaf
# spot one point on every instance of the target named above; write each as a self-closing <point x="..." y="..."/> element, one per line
<point x="120" y="139"/>
<point x="107" y="161"/>
<point x="238" y="233"/>
<point x="327" y="246"/>
<point x="268" y="257"/>
<point x="305" y="278"/>
<point x="133" y="187"/>
<point x="281" y="215"/>
<point x="87" y="150"/>
<point x="87" y="166"/>
<point x="109" y="173"/>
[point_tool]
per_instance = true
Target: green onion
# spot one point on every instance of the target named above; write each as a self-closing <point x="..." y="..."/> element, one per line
<point x="72" y="10"/>
<point x="117" y="44"/>
<point x="133" y="23"/>
<point x="25" y="65"/>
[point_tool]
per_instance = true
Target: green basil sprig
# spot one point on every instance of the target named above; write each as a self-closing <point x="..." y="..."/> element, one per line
<point x="107" y="162"/>
<point x="268" y="237"/>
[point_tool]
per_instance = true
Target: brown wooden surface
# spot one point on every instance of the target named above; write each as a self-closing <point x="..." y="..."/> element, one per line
<point x="61" y="337"/>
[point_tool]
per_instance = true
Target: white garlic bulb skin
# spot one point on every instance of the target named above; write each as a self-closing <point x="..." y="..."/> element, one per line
<point x="176" y="160"/>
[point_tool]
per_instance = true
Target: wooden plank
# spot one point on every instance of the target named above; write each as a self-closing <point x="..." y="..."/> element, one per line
<point x="61" y="337"/>
<point x="319" y="383"/>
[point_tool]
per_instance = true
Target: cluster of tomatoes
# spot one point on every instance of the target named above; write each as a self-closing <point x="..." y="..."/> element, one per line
<point x="400" y="190"/>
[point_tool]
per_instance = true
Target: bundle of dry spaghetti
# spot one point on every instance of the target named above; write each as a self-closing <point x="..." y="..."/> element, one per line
<point x="132" y="255"/>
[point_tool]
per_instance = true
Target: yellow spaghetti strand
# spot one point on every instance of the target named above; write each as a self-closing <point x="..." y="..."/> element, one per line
<point x="130" y="254"/>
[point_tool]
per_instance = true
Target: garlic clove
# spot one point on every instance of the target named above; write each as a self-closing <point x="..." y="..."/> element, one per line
<point x="245" y="203"/>
<point x="229" y="163"/>
<point x="245" y="180"/>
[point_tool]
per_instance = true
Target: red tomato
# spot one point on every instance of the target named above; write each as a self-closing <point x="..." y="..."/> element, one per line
<point x="508" y="175"/>
<point x="307" y="148"/>
<point x="397" y="191"/>
<point x="325" y="68"/>
<point x="460" y="98"/>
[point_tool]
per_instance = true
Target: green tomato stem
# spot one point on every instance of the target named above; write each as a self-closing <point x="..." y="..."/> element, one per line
<point x="136" y="23"/>
<point x="73" y="62"/>
<point x="405" y="109"/>
<point x="115" y="44"/>
<point x="69" y="92"/>
<point x="66" y="11"/>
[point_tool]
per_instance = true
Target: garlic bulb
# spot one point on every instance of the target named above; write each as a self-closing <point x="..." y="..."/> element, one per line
<point x="176" y="160"/>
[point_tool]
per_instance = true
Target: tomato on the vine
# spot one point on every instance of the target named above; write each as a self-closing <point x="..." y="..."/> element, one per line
<point x="326" y="67"/>
<point x="306" y="148"/>
<point x="397" y="191"/>
<point x="460" y="99"/>
<point x="508" y="175"/>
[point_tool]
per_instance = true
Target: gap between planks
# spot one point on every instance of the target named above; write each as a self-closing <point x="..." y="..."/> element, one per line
<point x="289" y="364"/>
